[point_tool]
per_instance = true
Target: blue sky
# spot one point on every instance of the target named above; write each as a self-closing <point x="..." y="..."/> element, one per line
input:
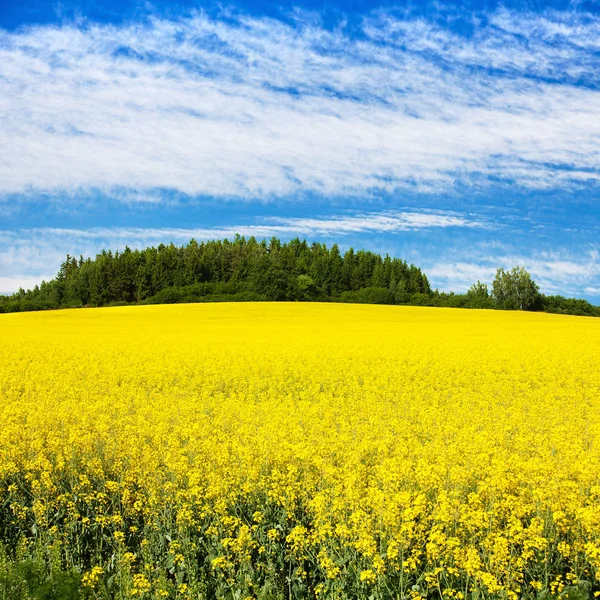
<point x="459" y="137"/>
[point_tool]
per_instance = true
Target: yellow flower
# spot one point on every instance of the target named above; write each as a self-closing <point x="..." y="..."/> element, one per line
<point x="141" y="585"/>
<point x="91" y="578"/>
<point x="455" y="448"/>
<point x="368" y="576"/>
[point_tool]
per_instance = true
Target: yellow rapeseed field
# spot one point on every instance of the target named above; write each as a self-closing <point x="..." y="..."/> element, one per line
<point x="303" y="450"/>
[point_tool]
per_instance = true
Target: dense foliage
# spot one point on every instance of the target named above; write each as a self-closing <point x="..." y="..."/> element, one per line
<point x="239" y="269"/>
<point x="515" y="290"/>
<point x="287" y="451"/>
<point x="251" y="270"/>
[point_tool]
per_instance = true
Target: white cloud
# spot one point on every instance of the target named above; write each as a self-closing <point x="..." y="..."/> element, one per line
<point x="560" y="272"/>
<point x="383" y="222"/>
<point x="255" y="108"/>
<point x="459" y="276"/>
<point x="9" y="285"/>
<point x="388" y="221"/>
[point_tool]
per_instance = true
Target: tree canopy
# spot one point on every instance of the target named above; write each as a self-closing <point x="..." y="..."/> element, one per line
<point x="250" y="270"/>
<point x="515" y="289"/>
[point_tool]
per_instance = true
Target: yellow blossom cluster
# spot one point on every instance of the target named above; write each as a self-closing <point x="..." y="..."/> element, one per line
<point x="303" y="450"/>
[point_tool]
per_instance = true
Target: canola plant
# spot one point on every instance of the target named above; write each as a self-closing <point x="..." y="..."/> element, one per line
<point x="303" y="450"/>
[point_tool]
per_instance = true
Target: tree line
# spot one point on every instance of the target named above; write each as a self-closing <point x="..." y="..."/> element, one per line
<point x="250" y="270"/>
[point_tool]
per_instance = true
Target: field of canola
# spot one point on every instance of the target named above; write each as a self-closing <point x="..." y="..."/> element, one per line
<point x="303" y="450"/>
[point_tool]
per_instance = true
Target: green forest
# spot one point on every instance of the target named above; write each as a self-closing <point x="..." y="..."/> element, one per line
<point x="250" y="270"/>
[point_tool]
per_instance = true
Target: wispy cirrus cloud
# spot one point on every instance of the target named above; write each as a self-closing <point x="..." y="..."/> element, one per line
<point x="387" y="221"/>
<point x="246" y="107"/>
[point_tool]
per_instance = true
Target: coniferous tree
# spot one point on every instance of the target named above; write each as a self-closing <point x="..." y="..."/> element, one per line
<point x="246" y="269"/>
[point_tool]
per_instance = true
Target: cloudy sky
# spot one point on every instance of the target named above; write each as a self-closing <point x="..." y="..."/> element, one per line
<point x="460" y="137"/>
